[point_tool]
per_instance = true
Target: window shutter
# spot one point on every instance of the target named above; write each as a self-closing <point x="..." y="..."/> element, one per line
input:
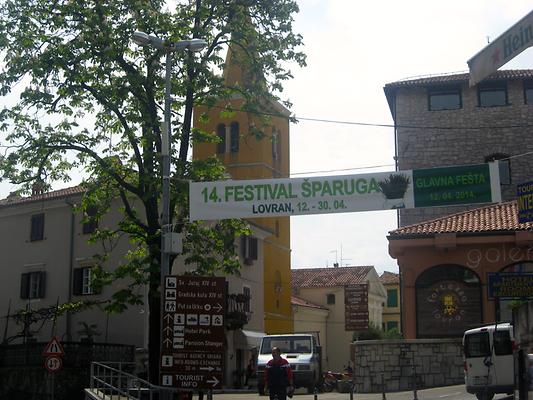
<point x="221" y="133"/>
<point x="77" y="282"/>
<point x="253" y="248"/>
<point x="42" y="284"/>
<point x="24" y="285"/>
<point x="234" y="137"/>
<point x="243" y="246"/>
<point x="37" y="227"/>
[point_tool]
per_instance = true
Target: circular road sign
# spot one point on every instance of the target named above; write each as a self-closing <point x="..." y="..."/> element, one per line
<point x="53" y="363"/>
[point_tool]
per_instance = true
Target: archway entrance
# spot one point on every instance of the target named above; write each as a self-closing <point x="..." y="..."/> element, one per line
<point x="448" y="301"/>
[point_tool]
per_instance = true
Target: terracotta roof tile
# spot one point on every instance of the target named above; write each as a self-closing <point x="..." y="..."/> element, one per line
<point x="56" y="194"/>
<point x="501" y="217"/>
<point x="329" y="277"/>
<point x="389" y="277"/>
<point x="458" y="78"/>
<point x="298" y="301"/>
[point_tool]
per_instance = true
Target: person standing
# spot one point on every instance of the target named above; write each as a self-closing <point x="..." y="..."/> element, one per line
<point x="278" y="376"/>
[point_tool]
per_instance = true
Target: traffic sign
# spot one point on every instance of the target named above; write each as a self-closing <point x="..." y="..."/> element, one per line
<point x="53" y="363"/>
<point x="54" y="348"/>
<point x="193" y="332"/>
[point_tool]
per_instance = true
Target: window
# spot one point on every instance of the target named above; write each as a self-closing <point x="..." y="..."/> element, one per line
<point x="234" y="137"/>
<point x="392" y="325"/>
<point x="502" y="343"/>
<point x="32" y="285"/>
<point x="247" y="292"/>
<point x="249" y="249"/>
<point x="276" y="146"/>
<point x="37" y="227"/>
<point x="330" y="298"/>
<point x="492" y="94"/>
<point x="528" y="92"/>
<point x="221" y="133"/>
<point x="392" y="297"/>
<point x="444" y="98"/>
<point x="91" y="223"/>
<point x="82" y="281"/>
<point x="477" y="345"/>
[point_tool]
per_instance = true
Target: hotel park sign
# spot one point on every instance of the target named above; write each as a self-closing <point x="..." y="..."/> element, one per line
<point x="429" y="187"/>
<point x="504" y="48"/>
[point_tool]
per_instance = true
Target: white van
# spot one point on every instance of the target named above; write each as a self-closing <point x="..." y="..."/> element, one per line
<point x="489" y="363"/>
<point x="303" y="353"/>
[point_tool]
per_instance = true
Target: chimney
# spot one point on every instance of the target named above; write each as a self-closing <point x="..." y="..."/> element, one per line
<point x="335" y="265"/>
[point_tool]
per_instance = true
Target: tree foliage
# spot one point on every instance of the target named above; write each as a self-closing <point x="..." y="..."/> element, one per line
<point x="82" y="96"/>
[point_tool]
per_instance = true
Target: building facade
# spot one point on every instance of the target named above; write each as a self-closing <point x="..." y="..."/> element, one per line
<point x="391" y="309"/>
<point x="441" y="121"/>
<point x="326" y="287"/>
<point x="445" y="265"/>
<point x="255" y="146"/>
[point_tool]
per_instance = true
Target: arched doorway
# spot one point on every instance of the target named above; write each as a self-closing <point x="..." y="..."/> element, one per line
<point x="448" y="301"/>
<point x="504" y="310"/>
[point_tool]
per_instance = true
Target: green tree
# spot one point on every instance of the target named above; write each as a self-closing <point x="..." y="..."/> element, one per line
<point x="89" y="99"/>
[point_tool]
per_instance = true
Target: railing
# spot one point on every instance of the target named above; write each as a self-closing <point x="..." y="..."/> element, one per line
<point x="111" y="381"/>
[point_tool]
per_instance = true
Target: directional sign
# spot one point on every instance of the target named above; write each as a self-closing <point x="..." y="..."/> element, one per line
<point x="53" y="363"/>
<point x="54" y="348"/>
<point x="501" y="50"/>
<point x="193" y="332"/>
<point x="356" y="307"/>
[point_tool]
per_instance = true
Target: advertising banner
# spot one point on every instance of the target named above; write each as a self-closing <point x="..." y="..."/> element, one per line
<point x="510" y="285"/>
<point x="429" y="187"/>
<point x="524" y="195"/>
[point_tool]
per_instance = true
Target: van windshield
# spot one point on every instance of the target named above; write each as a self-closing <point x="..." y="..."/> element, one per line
<point x="292" y="344"/>
<point x="477" y="345"/>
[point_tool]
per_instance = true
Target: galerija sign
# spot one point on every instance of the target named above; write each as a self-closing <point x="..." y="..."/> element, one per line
<point x="444" y="186"/>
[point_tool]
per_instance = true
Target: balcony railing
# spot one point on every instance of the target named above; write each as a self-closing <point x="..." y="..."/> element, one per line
<point x="237" y="311"/>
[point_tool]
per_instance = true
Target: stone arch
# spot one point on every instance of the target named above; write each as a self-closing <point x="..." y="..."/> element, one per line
<point x="448" y="301"/>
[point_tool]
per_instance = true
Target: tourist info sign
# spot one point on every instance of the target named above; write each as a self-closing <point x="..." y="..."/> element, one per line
<point x="193" y="332"/>
<point x="444" y="186"/>
<point x="524" y="197"/>
<point x="356" y="307"/>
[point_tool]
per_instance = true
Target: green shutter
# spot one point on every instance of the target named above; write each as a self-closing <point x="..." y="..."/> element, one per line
<point x="392" y="297"/>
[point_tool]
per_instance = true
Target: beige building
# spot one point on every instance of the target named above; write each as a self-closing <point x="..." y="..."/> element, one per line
<point x="326" y="287"/>
<point x="47" y="259"/>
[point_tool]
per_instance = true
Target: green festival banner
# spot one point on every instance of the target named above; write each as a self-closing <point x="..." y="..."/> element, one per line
<point x="262" y="198"/>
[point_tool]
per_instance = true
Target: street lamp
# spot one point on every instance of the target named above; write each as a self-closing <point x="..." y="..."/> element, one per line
<point x="144" y="39"/>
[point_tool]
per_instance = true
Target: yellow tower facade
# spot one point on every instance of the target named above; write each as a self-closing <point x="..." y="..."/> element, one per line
<point x="255" y="146"/>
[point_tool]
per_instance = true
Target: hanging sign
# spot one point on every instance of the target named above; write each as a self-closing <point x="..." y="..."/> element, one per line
<point x="429" y="187"/>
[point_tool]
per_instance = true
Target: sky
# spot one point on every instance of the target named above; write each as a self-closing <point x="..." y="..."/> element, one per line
<point x="353" y="49"/>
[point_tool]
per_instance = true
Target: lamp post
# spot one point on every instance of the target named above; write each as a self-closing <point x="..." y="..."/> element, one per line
<point x="144" y="39"/>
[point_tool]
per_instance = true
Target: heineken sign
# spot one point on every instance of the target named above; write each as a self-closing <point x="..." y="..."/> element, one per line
<point x="345" y="193"/>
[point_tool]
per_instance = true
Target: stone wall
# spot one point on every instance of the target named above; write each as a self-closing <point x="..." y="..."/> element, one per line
<point x="388" y="364"/>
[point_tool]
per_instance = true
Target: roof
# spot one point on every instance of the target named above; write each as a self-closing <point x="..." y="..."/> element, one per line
<point x="500" y="217"/>
<point x="56" y="194"/>
<point x="508" y="74"/>
<point x="329" y="277"/>
<point x="298" y="301"/>
<point x="450" y="79"/>
<point x="389" y="277"/>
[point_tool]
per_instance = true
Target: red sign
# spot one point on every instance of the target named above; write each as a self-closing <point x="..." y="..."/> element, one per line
<point x="54" y="348"/>
<point x="356" y="307"/>
<point x="193" y="332"/>
<point x="53" y="363"/>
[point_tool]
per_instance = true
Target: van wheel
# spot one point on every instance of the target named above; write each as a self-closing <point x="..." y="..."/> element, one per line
<point x="484" y="396"/>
